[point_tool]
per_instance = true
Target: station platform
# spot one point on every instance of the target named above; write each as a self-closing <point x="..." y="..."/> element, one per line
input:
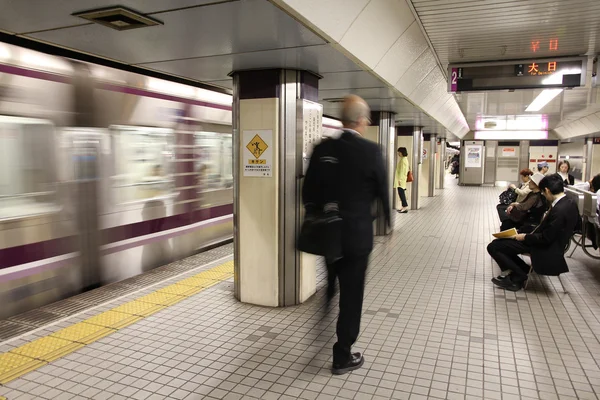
<point x="433" y="326"/>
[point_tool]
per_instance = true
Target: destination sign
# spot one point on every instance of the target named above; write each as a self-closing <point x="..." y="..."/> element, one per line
<point x="510" y="75"/>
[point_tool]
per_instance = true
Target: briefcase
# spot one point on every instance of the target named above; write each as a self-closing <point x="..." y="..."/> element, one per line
<point x="321" y="234"/>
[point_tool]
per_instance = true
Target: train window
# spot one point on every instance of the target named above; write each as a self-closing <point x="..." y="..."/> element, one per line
<point x="142" y="163"/>
<point x="213" y="161"/>
<point x="27" y="167"/>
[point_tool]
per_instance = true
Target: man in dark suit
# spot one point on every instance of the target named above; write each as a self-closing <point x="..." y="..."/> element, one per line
<point x="359" y="182"/>
<point x="545" y="244"/>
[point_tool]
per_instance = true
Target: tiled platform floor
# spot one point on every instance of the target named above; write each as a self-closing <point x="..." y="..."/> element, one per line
<point x="433" y="327"/>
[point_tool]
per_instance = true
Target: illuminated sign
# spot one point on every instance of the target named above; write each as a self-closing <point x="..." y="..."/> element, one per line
<point x="542" y="73"/>
<point x="535" y="68"/>
<point x="536" y="45"/>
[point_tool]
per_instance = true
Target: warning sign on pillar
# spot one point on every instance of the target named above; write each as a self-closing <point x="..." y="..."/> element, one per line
<point x="257" y="155"/>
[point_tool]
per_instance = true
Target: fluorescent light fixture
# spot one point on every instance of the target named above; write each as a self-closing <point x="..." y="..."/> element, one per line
<point x="172" y="88"/>
<point x="512" y="123"/>
<point x="542" y="99"/>
<point x="557" y="77"/>
<point x="211" y="96"/>
<point x="4" y="52"/>
<point x="511" y="135"/>
<point x="334" y="123"/>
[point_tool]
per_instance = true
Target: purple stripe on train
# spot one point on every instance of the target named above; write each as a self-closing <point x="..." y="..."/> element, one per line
<point x="12" y="256"/>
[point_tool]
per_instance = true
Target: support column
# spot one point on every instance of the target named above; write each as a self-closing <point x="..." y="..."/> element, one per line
<point x="589" y="153"/>
<point x="442" y="151"/>
<point x="431" y="183"/>
<point x="417" y="156"/>
<point x="276" y="120"/>
<point x="383" y="131"/>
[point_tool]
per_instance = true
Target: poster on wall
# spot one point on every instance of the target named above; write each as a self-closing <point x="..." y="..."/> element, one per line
<point x="473" y="159"/>
<point x="509" y="152"/>
<point x="312" y="115"/>
<point x="257" y="154"/>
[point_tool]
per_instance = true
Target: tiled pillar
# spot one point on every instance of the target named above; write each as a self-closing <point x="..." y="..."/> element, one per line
<point x="386" y="139"/>
<point x="417" y="154"/>
<point x="442" y="161"/>
<point x="431" y="182"/>
<point x="275" y="121"/>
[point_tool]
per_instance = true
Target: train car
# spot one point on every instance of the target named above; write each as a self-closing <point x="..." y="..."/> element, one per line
<point x="104" y="174"/>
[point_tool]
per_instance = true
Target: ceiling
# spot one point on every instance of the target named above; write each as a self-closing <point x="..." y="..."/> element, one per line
<point x="205" y="40"/>
<point x="487" y="30"/>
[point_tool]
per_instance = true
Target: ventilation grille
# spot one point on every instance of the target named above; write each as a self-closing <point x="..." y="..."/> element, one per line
<point x="119" y="18"/>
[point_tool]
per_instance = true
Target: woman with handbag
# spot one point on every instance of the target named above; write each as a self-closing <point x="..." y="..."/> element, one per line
<point x="402" y="177"/>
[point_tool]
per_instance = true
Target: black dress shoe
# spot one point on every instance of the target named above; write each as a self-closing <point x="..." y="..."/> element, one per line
<point x="355" y="362"/>
<point x="508" y="284"/>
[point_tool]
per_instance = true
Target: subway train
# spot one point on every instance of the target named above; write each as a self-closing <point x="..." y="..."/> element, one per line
<point x="104" y="174"/>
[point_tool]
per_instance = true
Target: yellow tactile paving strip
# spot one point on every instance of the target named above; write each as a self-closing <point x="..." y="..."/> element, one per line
<point x="39" y="352"/>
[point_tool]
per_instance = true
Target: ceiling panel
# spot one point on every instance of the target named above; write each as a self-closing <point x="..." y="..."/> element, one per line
<point x="349" y="80"/>
<point x="37" y="15"/>
<point x="474" y="30"/>
<point x="237" y="27"/>
<point x="320" y="59"/>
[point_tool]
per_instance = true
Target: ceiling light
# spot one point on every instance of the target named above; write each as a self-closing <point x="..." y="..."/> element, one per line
<point x="119" y="18"/>
<point x="542" y="99"/>
<point x="511" y="135"/>
<point x="4" y="52"/>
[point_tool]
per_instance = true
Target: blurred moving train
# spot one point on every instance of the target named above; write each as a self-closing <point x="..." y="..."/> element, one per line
<point x="104" y="174"/>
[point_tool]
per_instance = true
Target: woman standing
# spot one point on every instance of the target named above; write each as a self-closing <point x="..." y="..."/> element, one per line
<point x="400" y="179"/>
<point x="563" y="170"/>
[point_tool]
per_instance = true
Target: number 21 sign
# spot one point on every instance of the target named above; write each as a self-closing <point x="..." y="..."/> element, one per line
<point x="455" y="75"/>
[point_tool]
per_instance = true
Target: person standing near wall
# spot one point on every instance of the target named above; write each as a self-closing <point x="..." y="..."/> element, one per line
<point x="400" y="178"/>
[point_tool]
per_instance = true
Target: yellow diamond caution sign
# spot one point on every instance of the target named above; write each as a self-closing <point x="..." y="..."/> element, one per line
<point x="257" y="146"/>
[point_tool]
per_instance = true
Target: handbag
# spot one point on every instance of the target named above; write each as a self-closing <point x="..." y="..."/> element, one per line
<point x="321" y="230"/>
<point x="508" y="197"/>
<point x="409" y="177"/>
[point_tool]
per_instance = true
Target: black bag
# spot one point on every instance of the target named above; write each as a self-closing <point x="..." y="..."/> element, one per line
<point x="321" y="234"/>
<point x="507" y="197"/>
<point x="321" y="231"/>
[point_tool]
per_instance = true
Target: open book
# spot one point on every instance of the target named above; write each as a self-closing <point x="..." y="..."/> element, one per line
<point x="509" y="233"/>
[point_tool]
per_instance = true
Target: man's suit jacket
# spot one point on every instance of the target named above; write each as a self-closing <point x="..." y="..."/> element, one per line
<point x="550" y="238"/>
<point x="359" y="178"/>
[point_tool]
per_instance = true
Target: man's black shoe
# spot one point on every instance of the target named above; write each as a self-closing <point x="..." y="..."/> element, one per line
<point x="508" y="284"/>
<point x="355" y="362"/>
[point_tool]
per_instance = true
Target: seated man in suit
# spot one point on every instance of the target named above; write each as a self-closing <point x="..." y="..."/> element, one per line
<point x="545" y="244"/>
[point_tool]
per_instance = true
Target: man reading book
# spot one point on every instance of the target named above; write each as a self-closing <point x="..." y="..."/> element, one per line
<point x="545" y="244"/>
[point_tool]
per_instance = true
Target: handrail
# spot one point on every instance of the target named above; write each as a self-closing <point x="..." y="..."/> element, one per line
<point x="25" y="195"/>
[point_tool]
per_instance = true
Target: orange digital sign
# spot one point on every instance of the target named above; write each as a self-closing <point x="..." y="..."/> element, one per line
<point x="536" y="45"/>
<point x="545" y="68"/>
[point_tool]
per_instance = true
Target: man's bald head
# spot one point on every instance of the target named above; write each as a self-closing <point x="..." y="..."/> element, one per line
<point x="355" y="113"/>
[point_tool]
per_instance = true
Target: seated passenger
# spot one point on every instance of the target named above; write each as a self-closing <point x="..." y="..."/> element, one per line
<point x="545" y="244"/>
<point x="563" y="170"/>
<point x="543" y="168"/>
<point x="523" y="190"/>
<point x="526" y="214"/>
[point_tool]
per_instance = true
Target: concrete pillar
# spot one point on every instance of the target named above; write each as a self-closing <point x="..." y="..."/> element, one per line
<point x="589" y="153"/>
<point x="417" y="154"/>
<point x="442" y="161"/>
<point x="431" y="182"/>
<point x="276" y="121"/>
<point x="386" y="138"/>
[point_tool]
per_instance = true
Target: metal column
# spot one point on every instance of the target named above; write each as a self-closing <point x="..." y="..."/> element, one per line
<point x="431" y="186"/>
<point x="442" y="151"/>
<point x="417" y="153"/>
<point x="386" y="140"/>
<point x="588" y="158"/>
